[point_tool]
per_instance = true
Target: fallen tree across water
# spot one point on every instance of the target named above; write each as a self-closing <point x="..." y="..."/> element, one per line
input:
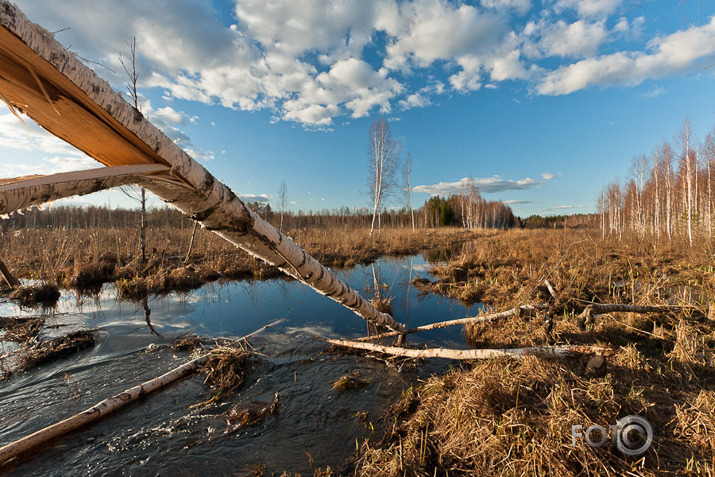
<point x="42" y="79"/>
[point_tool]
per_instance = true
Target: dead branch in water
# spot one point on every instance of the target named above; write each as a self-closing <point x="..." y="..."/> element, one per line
<point x="461" y="321"/>
<point x="105" y="407"/>
<point x="562" y="351"/>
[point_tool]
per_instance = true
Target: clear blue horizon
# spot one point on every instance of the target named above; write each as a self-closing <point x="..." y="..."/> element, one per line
<point x="541" y="102"/>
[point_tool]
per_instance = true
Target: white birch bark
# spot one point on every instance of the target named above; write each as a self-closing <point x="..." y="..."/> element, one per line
<point x="554" y="352"/>
<point x="23" y="193"/>
<point x="67" y="98"/>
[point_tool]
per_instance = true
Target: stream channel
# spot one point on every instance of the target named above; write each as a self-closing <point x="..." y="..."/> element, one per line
<point x="161" y="434"/>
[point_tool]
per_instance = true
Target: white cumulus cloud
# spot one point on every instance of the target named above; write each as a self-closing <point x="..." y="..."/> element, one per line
<point x="485" y="185"/>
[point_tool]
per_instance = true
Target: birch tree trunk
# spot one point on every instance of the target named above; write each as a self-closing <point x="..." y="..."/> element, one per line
<point x="709" y="153"/>
<point x="685" y="136"/>
<point x="67" y="98"/>
<point x="384" y="156"/>
<point x="668" y="189"/>
<point x="656" y="173"/>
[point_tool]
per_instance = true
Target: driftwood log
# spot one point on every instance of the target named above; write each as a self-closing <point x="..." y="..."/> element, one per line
<point x="105" y="407"/>
<point x="561" y="351"/>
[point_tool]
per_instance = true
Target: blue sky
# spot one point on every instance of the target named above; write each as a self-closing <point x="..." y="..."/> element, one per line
<point x="541" y="102"/>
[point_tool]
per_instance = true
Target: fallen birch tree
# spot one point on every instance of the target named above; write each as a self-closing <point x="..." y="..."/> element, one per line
<point x="48" y="83"/>
<point x="105" y="407"/>
<point x="561" y="351"/>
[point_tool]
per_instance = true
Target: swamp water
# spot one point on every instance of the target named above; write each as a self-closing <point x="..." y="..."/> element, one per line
<point x="161" y="434"/>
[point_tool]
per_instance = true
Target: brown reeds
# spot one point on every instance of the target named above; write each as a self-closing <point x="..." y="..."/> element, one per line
<point x="239" y="417"/>
<point x="43" y="294"/>
<point x="35" y="354"/>
<point x="225" y="369"/>
<point x="509" y="417"/>
<point x="505" y="417"/>
<point x="20" y="329"/>
<point x="86" y="258"/>
<point x="186" y="344"/>
<point x="350" y="381"/>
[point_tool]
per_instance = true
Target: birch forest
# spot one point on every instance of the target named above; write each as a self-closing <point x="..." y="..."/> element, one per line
<point x="668" y="193"/>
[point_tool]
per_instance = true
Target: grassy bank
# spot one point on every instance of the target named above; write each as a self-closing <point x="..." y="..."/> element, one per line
<point x="515" y="417"/>
<point x="86" y="258"/>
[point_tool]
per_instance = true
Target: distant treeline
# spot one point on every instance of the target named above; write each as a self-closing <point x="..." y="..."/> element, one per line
<point x="457" y="210"/>
<point x="575" y="221"/>
<point x="668" y="193"/>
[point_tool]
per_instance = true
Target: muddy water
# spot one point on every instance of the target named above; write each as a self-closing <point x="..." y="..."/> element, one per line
<point x="161" y="434"/>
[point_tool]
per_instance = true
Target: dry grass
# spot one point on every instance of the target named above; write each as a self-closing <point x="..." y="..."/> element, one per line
<point x="505" y="417"/>
<point x="239" y="417"/>
<point x="502" y="417"/>
<point x="226" y="369"/>
<point x="86" y="258"/>
<point x="508" y="269"/>
<point x="43" y="294"/>
<point x="186" y="344"/>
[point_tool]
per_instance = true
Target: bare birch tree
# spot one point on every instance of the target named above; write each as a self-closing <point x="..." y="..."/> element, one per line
<point x="282" y="201"/>
<point x="684" y="138"/>
<point x="709" y="157"/>
<point x="140" y="192"/>
<point x="384" y="157"/>
<point x="407" y="172"/>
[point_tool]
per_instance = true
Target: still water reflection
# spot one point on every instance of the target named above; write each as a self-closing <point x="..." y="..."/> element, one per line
<point x="164" y="434"/>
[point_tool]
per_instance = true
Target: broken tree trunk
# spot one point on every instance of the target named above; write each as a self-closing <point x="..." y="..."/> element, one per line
<point x="24" y="192"/>
<point x="562" y="351"/>
<point x="105" y="407"/>
<point x="8" y="276"/>
<point x="191" y="243"/>
<point x="52" y="86"/>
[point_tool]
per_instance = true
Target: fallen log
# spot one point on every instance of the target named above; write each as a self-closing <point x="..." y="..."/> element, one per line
<point x="558" y="352"/>
<point x="105" y="407"/>
<point x="461" y="321"/>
